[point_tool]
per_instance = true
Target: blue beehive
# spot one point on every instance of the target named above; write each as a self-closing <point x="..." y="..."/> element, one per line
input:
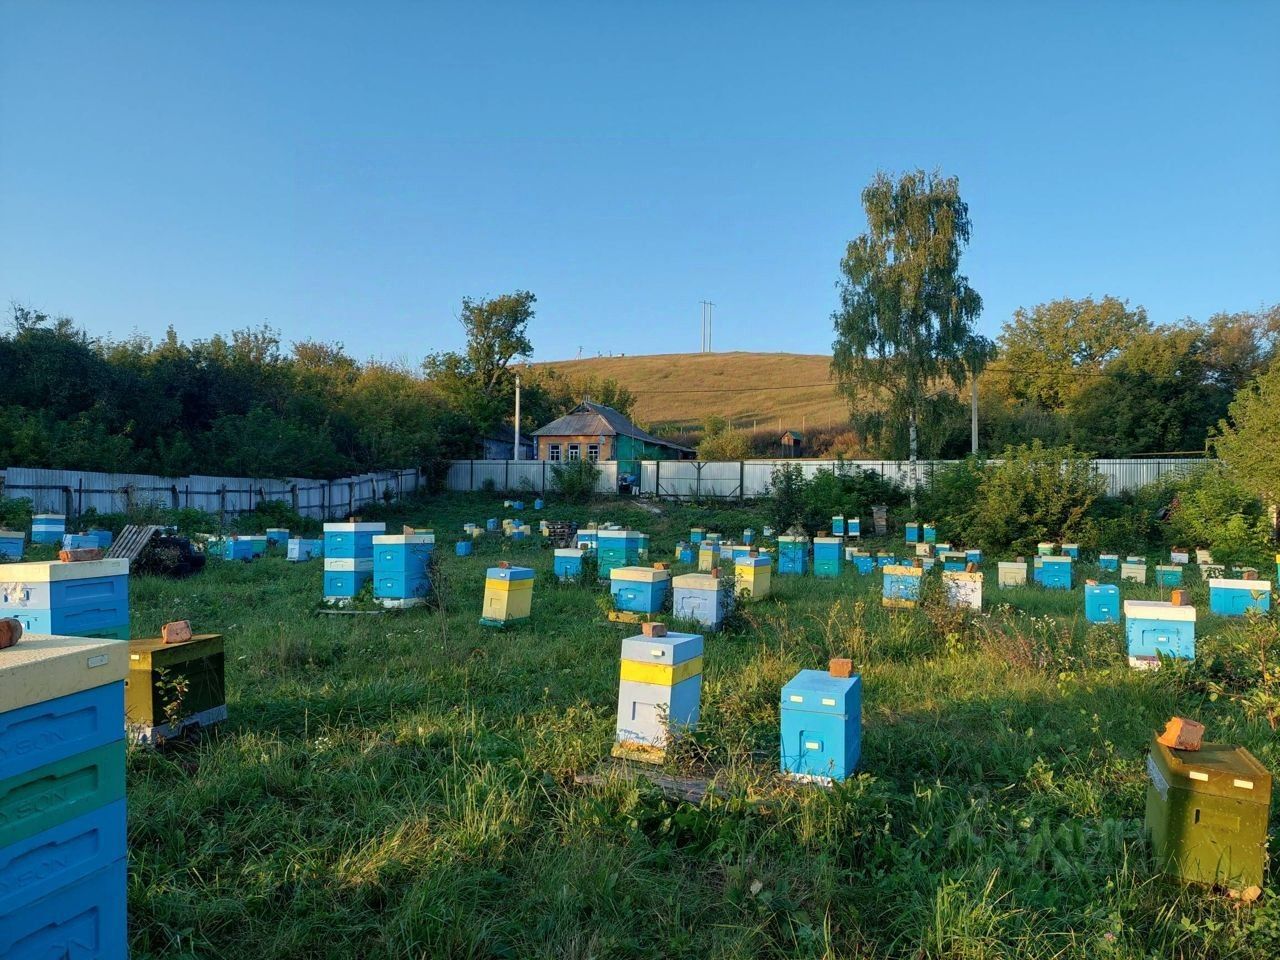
<point x="1109" y="561"/>
<point x="1071" y="550"/>
<point x="588" y="538"/>
<point x="89" y="598"/>
<point x="930" y="533"/>
<point x="901" y="586"/>
<point x="837" y="526"/>
<point x="401" y="568"/>
<point x="277" y="536"/>
<point x="640" y="589"/>
<point x="793" y="554"/>
<point x="748" y="536"/>
<point x="821" y="721"/>
<point x="1237" y="598"/>
<point x="684" y="552"/>
<point x="104" y="538"/>
<point x="852" y="527"/>
<point x="1154" y="629"/>
<point x="240" y="548"/>
<point x="827" y="555"/>
<point x="63" y="869"/>
<point x="659" y="693"/>
<point x="1055" y="573"/>
<point x="696" y="534"/>
<point x="79" y="541"/>
<point x="973" y="556"/>
<point x="462" y="548"/>
<point x="953" y="561"/>
<point x="348" y="558"/>
<point x="12" y="543"/>
<point x="913" y="533"/>
<point x="491" y="525"/>
<point x="538" y="504"/>
<point x="300" y="550"/>
<point x="702" y="598"/>
<point x="1168" y="575"/>
<point x="568" y="563"/>
<point x="1102" y="603"/>
<point x="885" y="559"/>
<point x="48" y="527"/>
<point x="517" y="505"/>
<point x="864" y="563"/>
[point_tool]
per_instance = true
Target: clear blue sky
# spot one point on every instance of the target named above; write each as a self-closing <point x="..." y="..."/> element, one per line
<point x="351" y="171"/>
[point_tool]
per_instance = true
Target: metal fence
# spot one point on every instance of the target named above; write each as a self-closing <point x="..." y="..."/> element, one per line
<point x="744" y="479"/>
<point x="72" y="492"/>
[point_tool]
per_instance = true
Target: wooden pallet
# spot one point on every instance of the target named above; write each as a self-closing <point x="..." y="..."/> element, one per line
<point x="133" y="540"/>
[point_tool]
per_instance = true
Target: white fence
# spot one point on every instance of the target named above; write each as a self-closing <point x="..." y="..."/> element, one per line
<point x="744" y="479"/>
<point x="72" y="492"/>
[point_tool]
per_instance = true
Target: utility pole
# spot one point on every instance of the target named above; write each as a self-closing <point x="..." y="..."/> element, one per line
<point x="973" y="415"/>
<point x="706" y="325"/>
<point x="515" y="453"/>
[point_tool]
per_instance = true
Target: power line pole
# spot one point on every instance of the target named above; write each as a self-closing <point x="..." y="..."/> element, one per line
<point x="515" y="454"/>
<point x="973" y="412"/>
<point x="706" y="325"/>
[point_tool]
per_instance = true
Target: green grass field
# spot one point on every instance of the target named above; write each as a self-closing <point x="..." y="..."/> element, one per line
<point x="403" y="785"/>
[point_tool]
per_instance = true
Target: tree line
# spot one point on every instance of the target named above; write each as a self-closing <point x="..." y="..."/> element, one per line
<point x="247" y="404"/>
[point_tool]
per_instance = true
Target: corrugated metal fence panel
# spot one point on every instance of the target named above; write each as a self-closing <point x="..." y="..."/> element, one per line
<point x="751" y="478"/>
<point x="73" y="491"/>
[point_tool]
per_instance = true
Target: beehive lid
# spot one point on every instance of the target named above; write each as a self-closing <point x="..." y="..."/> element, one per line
<point x="1063" y="560"/>
<point x="1253" y="586"/>
<point x="569" y="552"/>
<point x="899" y="571"/>
<point x="697" y="581"/>
<point x="356" y="527"/>
<point x="961" y="576"/>
<point x="143" y="653"/>
<point x="640" y="574"/>
<point x="509" y="573"/>
<point x="43" y="666"/>
<point x="405" y="539"/>
<point x="828" y="541"/>
<point x="49" y="516"/>
<point x="612" y="534"/>
<point x="1168" y="568"/>
<point x="52" y="571"/>
<point x="819" y="691"/>
<point x="672" y="650"/>
<point x="1011" y="565"/>
<point x="1108" y="556"/>
<point x="749" y="561"/>
<point x="1158" y="610"/>
<point x="1217" y="769"/>
<point x="791" y="538"/>
<point x="1101" y="588"/>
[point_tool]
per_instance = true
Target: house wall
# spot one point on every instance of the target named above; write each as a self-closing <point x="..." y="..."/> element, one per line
<point x="544" y="446"/>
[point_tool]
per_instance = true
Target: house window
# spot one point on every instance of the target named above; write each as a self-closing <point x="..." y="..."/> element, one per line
<point x="553" y="452"/>
<point x="575" y="452"/>
<point x="593" y="452"/>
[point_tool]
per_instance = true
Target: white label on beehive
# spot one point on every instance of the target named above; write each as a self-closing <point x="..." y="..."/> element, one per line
<point x="828" y="701"/>
<point x="795" y="699"/>
<point x="657" y="653"/>
<point x="98" y="661"/>
<point x="1197" y="775"/>
<point x="812" y="745"/>
<point x="1243" y="784"/>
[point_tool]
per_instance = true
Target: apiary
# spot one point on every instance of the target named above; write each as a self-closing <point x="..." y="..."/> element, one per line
<point x="402" y="568"/>
<point x="1238" y="598"/>
<point x="659" y="693"/>
<point x="827" y="556"/>
<point x="754" y="576"/>
<point x="1207" y="814"/>
<point x="1154" y="629"/>
<point x="820" y="717"/>
<point x="12" y="543"/>
<point x="89" y="598"/>
<point x="63" y="873"/>
<point x="508" y="596"/>
<point x="793" y="555"/>
<point x="963" y="589"/>
<point x="1109" y="561"/>
<point x="1055" y="573"/>
<point x="702" y="598"/>
<point x="567" y="564"/>
<point x="1134" y="571"/>
<point x="48" y="527"/>
<point x="640" y="589"/>
<point x="172" y="686"/>
<point x="901" y="586"/>
<point x="300" y="550"/>
<point x="1168" y="575"/>
<point x="1102" y="603"/>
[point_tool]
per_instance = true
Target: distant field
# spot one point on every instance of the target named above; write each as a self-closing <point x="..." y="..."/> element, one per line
<point x="751" y="388"/>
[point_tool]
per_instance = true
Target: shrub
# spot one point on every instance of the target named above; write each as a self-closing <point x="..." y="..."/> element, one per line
<point x="726" y="445"/>
<point x="950" y="496"/>
<point x="811" y="502"/>
<point x="575" y="480"/>
<point x="787" y="487"/>
<point x="1210" y="509"/>
<point x="1035" y="493"/>
<point x="15" y="514"/>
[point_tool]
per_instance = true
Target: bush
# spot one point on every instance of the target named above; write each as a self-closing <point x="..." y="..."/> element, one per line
<point x="810" y="503"/>
<point x="951" y="495"/>
<point x="575" y="480"/>
<point x="787" y="487"/>
<point x="15" y="514"/>
<point x="1210" y="509"/>
<point x="723" y="446"/>
<point x="1035" y="493"/>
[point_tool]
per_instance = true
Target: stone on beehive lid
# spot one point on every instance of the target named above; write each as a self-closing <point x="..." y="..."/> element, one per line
<point x="841" y="668"/>
<point x="653" y="629"/>
<point x="92" y="553"/>
<point x="1181" y="733"/>
<point x="178" y="631"/>
<point x="10" y="632"/>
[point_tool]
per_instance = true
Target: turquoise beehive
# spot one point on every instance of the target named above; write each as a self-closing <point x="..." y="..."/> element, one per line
<point x="1239" y="598"/>
<point x="827" y="555"/>
<point x="48" y="527"/>
<point x="821" y="726"/>
<point x="402" y="568"/>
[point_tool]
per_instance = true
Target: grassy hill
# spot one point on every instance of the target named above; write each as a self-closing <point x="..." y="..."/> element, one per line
<point x="750" y="388"/>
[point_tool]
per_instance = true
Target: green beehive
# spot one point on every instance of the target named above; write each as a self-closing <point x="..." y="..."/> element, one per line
<point x="1207" y="814"/>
